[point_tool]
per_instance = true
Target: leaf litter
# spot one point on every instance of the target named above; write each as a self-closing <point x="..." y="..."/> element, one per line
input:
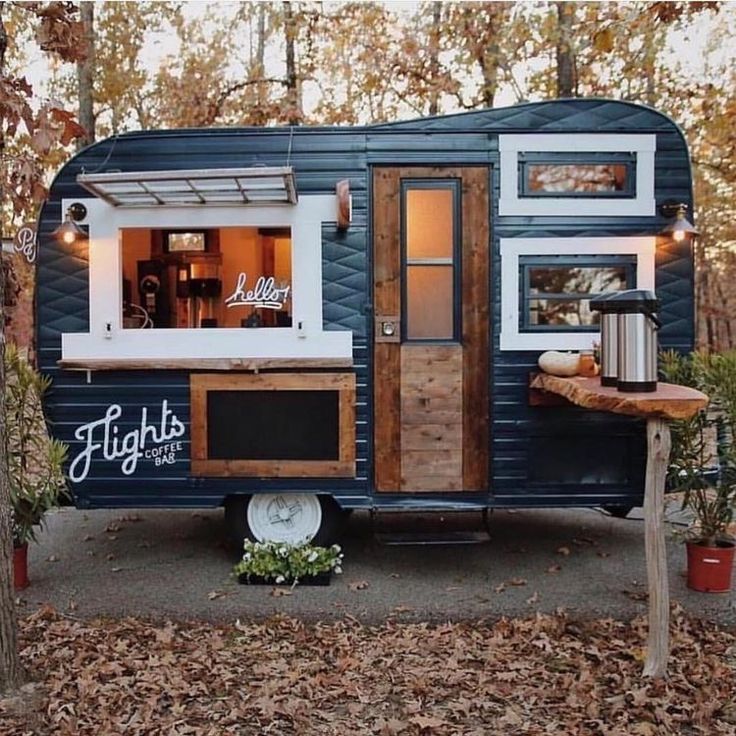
<point x="545" y="674"/>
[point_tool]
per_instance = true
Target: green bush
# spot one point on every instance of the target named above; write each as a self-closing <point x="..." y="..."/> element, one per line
<point x="703" y="457"/>
<point x="35" y="461"/>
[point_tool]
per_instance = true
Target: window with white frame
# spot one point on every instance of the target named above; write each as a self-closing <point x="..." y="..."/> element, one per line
<point x="158" y="275"/>
<point x="594" y="174"/>
<point x="546" y="285"/>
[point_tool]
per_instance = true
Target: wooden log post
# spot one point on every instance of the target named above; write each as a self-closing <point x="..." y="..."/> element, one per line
<point x="658" y="454"/>
<point x="668" y="402"/>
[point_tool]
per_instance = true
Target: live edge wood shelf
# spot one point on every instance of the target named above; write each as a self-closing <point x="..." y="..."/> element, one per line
<point x="208" y="364"/>
<point x="659" y="407"/>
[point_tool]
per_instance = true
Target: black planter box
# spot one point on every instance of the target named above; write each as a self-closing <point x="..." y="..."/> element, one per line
<point x="322" y="578"/>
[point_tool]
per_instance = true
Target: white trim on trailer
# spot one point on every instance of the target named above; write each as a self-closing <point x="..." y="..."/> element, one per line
<point x="108" y="340"/>
<point x="512" y="248"/>
<point x="642" y="205"/>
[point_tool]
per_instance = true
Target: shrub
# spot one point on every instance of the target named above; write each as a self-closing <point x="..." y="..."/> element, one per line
<point x="35" y="461"/>
<point x="703" y="457"/>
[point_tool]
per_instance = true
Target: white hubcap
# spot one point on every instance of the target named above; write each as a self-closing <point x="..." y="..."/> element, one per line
<point x="284" y="517"/>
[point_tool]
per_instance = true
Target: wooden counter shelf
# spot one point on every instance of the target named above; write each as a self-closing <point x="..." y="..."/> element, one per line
<point x="207" y="364"/>
<point x="668" y="402"/>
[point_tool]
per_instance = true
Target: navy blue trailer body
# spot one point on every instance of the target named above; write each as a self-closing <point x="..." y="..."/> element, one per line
<point x="290" y="392"/>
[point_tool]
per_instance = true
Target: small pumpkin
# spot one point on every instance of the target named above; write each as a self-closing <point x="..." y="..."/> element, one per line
<point x="559" y="364"/>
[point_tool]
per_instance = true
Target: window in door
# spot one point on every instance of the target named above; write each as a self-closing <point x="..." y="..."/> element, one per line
<point x="430" y="263"/>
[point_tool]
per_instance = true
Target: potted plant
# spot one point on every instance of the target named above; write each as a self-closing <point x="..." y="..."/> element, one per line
<point x="703" y="466"/>
<point x="284" y="563"/>
<point x="35" y="461"/>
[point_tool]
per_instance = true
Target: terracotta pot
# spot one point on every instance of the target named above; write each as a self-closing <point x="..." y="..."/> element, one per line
<point x="709" y="568"/>
<point x="20" y="567"/>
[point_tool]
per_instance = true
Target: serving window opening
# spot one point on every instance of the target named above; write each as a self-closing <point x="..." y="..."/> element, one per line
<point x="211" y="278"/>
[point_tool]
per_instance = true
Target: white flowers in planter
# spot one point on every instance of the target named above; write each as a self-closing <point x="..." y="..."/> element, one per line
<point x="283" y="562"/>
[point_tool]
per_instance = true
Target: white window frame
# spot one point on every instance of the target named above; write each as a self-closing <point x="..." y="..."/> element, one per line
<point x="642" y="205"/>
<point x="108" y="340"/>
<point x="513" y="248"/>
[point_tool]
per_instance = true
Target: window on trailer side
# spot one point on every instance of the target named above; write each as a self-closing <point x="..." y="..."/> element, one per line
<point x="107" y="342"/>
<point x="577" y="174"/>
<point x="574" y="174"/>
<point x="550" y="252"/>
<point x="555" y="294"/>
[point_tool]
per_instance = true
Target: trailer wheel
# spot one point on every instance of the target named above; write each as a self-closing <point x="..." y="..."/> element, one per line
<point x="283" y="517"/>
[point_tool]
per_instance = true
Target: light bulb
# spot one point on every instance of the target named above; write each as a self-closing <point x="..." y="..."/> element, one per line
<point x="68" y="237"/>
<point x="678" y="236"/>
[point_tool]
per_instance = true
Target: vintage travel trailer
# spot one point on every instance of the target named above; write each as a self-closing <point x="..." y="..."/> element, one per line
<point x="292" y="322"/>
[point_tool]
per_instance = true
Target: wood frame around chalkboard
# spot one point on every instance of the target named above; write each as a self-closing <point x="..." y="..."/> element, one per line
<point x="344" y="383"/>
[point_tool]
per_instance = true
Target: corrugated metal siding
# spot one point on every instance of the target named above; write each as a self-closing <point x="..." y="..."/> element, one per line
<point x="321" y="157"/>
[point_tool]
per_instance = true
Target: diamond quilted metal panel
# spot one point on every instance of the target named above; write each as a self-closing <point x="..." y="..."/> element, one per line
<point x="63" y="291"/>
<point x="344" y="279"/>
<point x="583" y="114"/>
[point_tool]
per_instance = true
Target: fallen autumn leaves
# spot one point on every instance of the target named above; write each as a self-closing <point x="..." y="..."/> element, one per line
<point x="543" y="675"/>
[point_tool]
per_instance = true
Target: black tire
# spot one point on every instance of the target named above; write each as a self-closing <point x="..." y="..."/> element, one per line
<point x="238" y="530"/>
<point x="236" y="521"/>
<point x="620" y="512"/>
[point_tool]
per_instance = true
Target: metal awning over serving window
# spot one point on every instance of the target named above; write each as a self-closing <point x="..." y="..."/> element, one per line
<point x="259" y="185"/>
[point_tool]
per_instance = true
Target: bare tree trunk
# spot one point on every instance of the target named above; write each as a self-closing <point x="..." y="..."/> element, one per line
<point x="260" y="68"/>
<point x="434" y="58"/>
<point x="567" y="82"/>
<point x="704" y="308"/>
<point x="292" y="83"/>
<point x="489" y="67"/>
<point x="10" y="671"/>
<point x="650" y="68"/>
<point x="85" y="76"/>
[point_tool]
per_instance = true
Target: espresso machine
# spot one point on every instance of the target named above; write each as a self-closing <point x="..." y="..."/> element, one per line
<point x="198" y="285"/>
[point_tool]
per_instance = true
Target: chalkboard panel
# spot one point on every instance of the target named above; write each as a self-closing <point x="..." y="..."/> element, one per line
<point x="273" y="425"/>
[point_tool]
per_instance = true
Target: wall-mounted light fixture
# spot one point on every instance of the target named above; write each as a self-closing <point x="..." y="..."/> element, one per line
<point x="69" y="232"/>
<point x="679" y="227"/>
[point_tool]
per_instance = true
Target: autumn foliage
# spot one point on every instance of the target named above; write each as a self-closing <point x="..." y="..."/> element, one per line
<point x="541" y="675"/>
<point x="31" y="128"/>
<point x="350" y="63"/>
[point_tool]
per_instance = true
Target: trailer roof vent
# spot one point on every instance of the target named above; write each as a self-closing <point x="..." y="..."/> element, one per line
<point x="259" y="185"/>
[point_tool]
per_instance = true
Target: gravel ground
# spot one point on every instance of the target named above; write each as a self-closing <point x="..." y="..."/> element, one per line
<point x="163" y="564"/>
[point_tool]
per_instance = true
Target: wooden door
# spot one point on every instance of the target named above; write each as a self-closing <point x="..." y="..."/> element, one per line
<point x="431" y="338"/>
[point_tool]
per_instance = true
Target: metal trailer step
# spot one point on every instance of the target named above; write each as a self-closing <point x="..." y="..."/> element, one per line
<point x="422" y="529"/>
<point x="397" y="539"/>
